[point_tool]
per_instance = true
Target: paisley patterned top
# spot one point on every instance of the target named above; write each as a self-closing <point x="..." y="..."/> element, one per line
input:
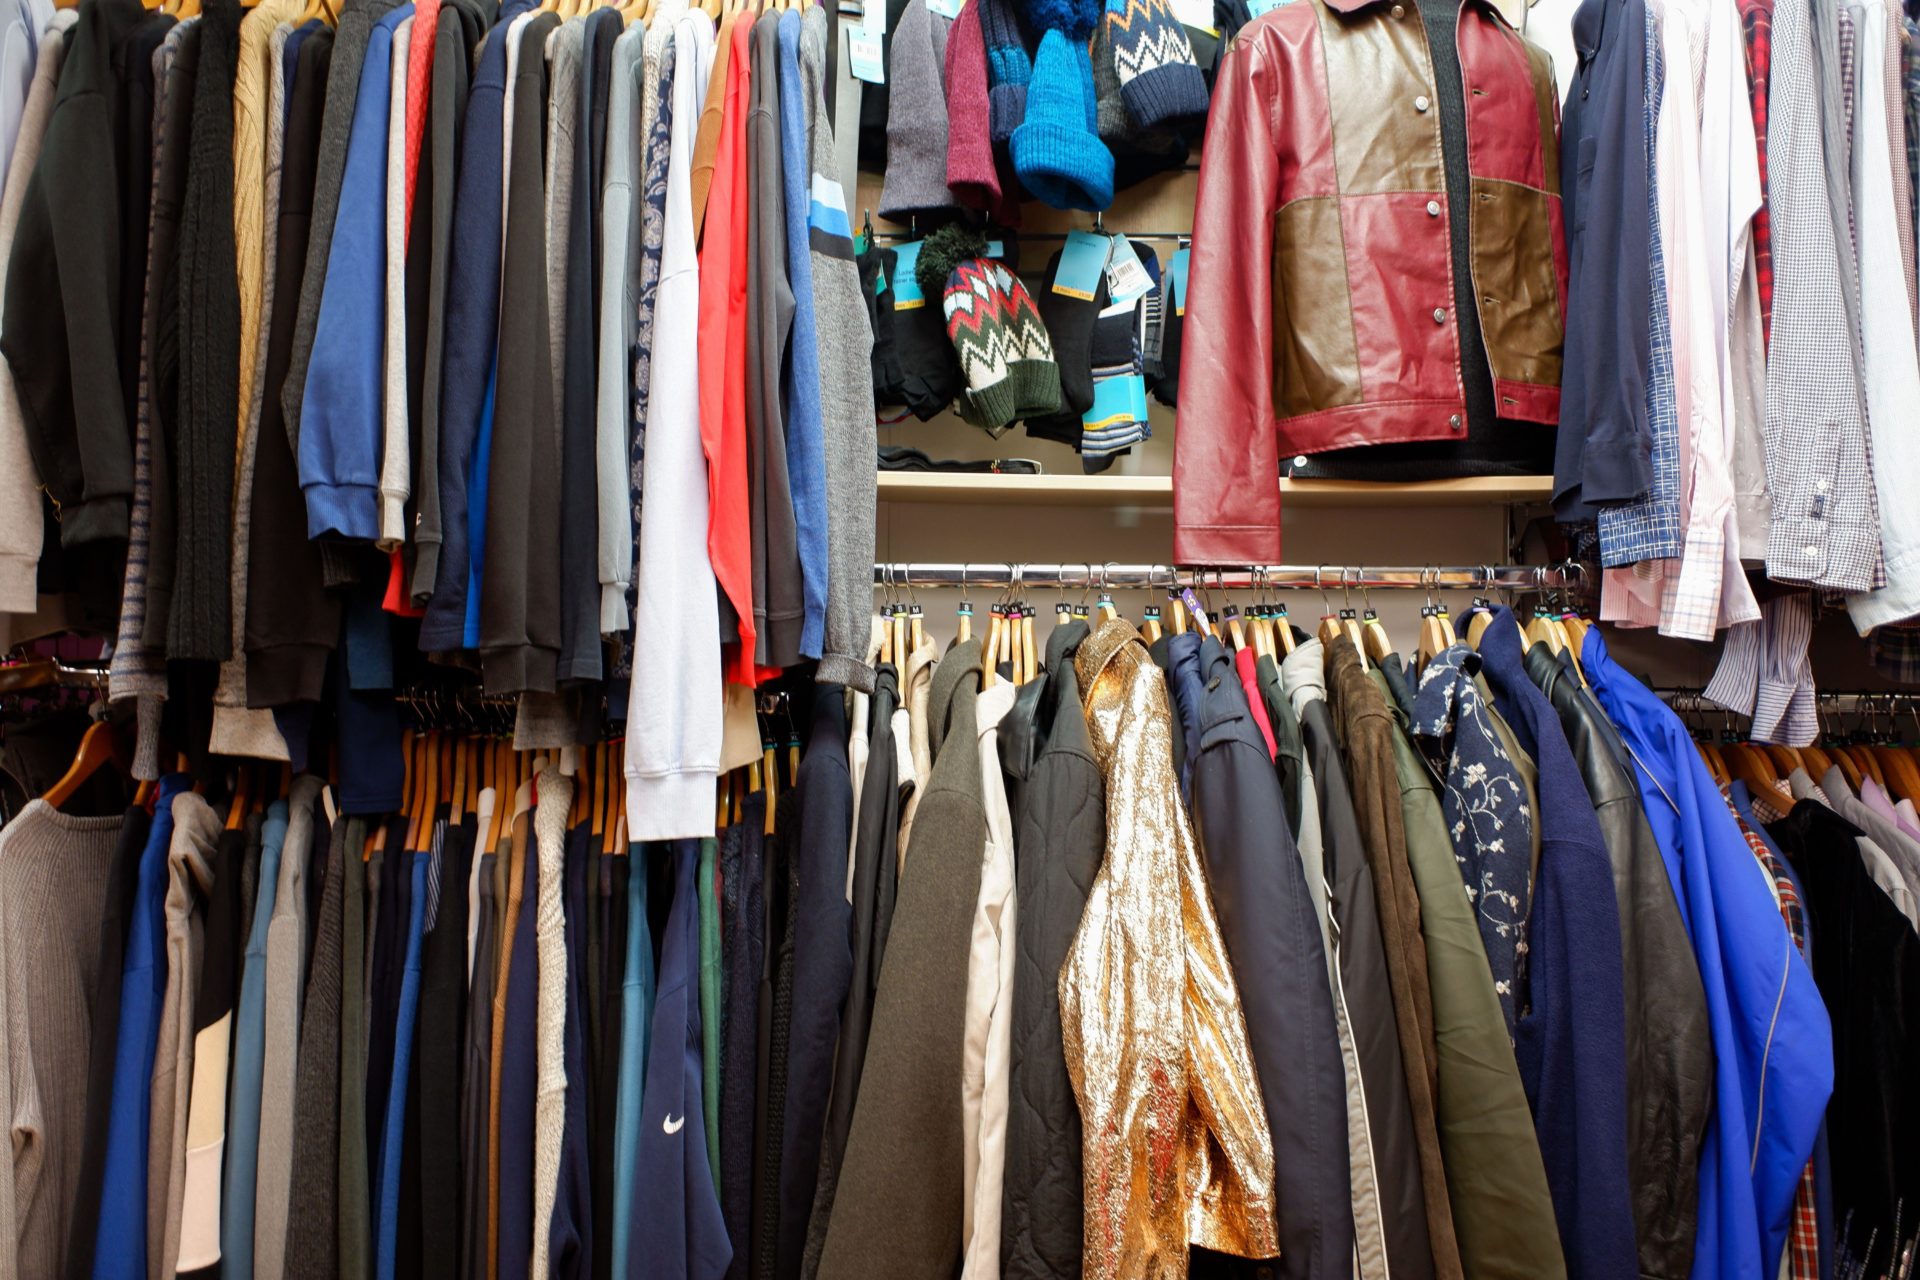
<point x="1485" y="799"/>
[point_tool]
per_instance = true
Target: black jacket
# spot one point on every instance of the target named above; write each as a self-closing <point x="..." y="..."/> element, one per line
<point x="1267" y="919"/>
<point x="520" y="593"/>
<point x="1060" y="836"/>
<point x="1669" y="1041"/>
<point x="292" y="620"/>
<point x="822" y="963"/>
<point x="1363" y="981"/>
<point x="876" y="867"/>
<point x="1866" y="960"/>
<point x="63" y="296"/>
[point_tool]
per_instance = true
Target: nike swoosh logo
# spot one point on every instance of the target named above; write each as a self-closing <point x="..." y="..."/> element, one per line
<point x="672" y="1126"/>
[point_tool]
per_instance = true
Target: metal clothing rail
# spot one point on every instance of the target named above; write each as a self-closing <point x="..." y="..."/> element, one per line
<point x="1869" y="702"/>
<point x="1078" y="575"/>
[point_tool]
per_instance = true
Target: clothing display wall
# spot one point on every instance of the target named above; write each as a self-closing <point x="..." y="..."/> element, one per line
<point x="469" y="807"/>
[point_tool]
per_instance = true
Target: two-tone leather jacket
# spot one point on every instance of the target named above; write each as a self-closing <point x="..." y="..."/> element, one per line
<point x="1321" y="308"/>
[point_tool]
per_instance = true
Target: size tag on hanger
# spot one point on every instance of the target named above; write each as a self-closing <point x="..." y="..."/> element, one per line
<point x="1177" y="275"/>
<point x="1126" y="278"/>
<point x="1082" y="261"/>
<point x="863" y="54"/>
<point x="906" y="286"/>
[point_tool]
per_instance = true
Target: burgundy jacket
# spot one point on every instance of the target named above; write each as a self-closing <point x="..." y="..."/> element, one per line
<point x="1320" y="312"/>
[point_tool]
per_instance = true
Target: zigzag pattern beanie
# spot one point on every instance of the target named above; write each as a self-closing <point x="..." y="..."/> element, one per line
<point x="995" y="330"/>
<point x="1159" y="79"/>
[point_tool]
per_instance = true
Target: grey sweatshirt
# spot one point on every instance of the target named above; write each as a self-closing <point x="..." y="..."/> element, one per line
<point x="778" y="604"/>
<point x="619" y="309"/>
<point x="846" y="400"/>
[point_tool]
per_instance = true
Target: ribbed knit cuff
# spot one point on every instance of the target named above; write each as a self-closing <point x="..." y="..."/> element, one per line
<point x="992" y="406"/>
<point x="1166" y="92"/>
<point x="844" y="669"/>
<point x="1036" y="387"/>
<point x="393" y="519"/>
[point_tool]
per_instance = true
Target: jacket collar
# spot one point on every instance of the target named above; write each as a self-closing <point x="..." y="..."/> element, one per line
<point x="959" y="669"/>
<point x="1100" y="648"/>
<point x="1304" y="671"/>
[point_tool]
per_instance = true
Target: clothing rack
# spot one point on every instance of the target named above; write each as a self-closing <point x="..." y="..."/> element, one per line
<point x="1082" y="575"/>
<point x="1868" y="702"/>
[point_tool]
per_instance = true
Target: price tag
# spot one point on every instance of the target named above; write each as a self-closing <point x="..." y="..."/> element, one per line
<point x="864" y="56"/>
<point x="1258" y="7"/>
<point x="946" y="8"/>
<point x="995" y="249"/>
<point x="1126" y="278"/>
<point x="1081" y="261"/>
<point x="1177" y="273"/>
<point x="906" y="285"/>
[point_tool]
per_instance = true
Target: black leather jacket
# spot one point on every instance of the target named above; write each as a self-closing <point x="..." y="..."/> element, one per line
<point x="1669" y="1042"/>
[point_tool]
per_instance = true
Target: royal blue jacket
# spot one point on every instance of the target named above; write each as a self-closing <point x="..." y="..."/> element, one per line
<point x="1772" y="1041"/>
<point x="1571" y="1045"/>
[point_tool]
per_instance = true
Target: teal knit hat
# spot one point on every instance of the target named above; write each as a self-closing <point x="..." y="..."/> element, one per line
<point x="1056" y="153"/>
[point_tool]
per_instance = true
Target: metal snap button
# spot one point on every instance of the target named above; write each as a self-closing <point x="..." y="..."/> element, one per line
<point x="1433" y="208"/>
<point x="1398" y="11"/>
<point x="1439" y="315"/>
<point x="1454" y="422"/>
<point x="1421" y="103"/>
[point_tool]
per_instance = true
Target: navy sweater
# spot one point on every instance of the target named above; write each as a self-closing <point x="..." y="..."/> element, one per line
<point x="473" y="302"/>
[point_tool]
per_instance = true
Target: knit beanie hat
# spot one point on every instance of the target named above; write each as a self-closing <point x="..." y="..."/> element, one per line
<point x="995" y="329"/>
<point x="1138" y="153"/>
<point x="972" y="174"/>
<point x="1059" y="157"/>
<point x="1009" y="67"/>
<point x="916" y="118"/>
<point x="1159" y="80"/>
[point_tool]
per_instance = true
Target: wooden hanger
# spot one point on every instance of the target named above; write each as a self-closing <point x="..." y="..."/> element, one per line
<point x="98" y="746"/>
<point x="1027" y="652"/>
<point x="1150" y="625"/>
<point x="1378" y="647"/>
<point x="237" y="806"/>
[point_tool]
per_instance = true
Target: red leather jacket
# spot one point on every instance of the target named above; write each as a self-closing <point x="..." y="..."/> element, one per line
<point x="1320" y="311"/>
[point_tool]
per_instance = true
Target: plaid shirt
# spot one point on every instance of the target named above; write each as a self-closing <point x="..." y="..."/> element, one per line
<point x="1896" y="653"/>
<point x="1650" y="528"/>
<point x="1756" y="19"/>
<point x="1826" y="528"/>
<point x="1803" y="1237"/>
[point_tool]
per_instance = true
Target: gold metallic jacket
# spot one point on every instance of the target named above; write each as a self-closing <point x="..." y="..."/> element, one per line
<point x="1176" y="1145"/>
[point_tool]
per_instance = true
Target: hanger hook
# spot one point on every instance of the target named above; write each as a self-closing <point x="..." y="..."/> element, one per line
<point x="1320" y="585"/>
<point x="965" y="599"/>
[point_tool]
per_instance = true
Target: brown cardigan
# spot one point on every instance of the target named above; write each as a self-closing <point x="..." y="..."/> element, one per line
<point x="1366" y="723"/>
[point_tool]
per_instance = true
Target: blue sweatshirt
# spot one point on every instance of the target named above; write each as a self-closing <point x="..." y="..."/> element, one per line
<point x="473" y="303"/>
<point x="120" y="1247"/>
<point x="341" y="404"/>
<point x="806" y="431"/>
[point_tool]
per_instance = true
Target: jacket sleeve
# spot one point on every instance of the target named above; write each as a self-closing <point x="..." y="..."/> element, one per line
<point x="1226" y="490"/>
<point x="1606" y="447"/>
